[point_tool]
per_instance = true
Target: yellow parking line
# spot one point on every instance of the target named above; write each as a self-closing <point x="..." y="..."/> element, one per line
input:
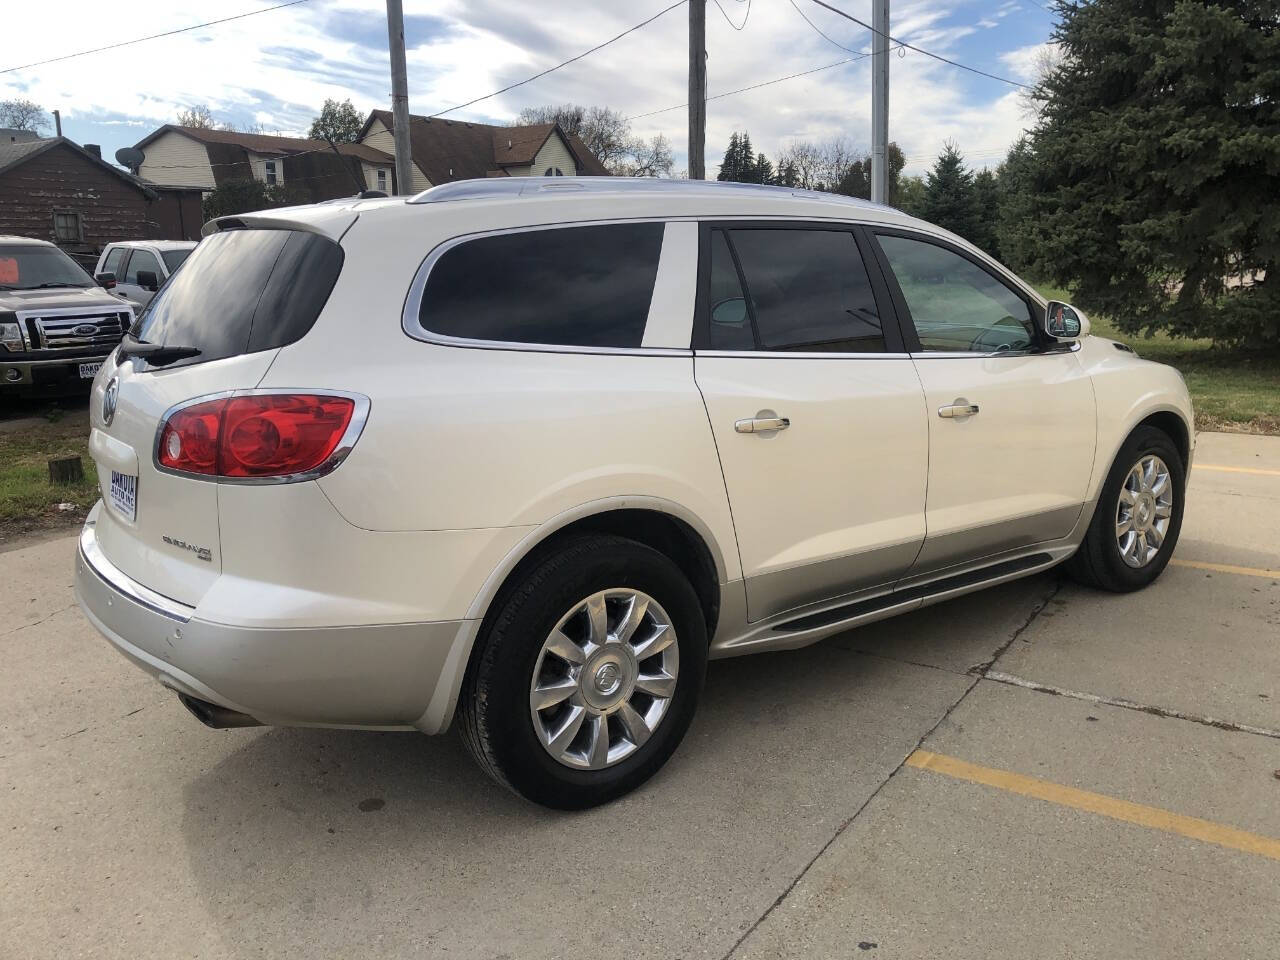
<point x="1153" y="817"/>
<point x="1256" y="470"/>
<point x="1227" y="568"/>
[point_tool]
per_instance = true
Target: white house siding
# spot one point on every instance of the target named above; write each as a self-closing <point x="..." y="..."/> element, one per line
<point x="258" y="164"/>
<point x="174" y="159"/>
<point x="380" y="138"/>
<point x="554" y="153"/>
<point x="371" y="174"/>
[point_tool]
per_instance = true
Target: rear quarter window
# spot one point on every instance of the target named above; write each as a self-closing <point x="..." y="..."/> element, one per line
<point x="586" y="286"/>
<point x="241" y="291"/>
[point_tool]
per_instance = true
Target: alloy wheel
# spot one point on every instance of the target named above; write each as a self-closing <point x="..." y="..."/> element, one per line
<point x="1143" y="511"/>
<point x="604" y="679"/>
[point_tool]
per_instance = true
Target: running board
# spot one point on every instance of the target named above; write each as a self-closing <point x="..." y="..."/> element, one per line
<point x="736" y="638"/>
<point x="898" y="597"/>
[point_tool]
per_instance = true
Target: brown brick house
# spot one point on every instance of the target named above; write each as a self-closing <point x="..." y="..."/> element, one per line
<point x="54" y="189"/>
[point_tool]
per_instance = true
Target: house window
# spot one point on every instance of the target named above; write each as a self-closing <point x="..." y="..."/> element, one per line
<point x="67" y="227"/>
<point x="382" y="180"/>
<point x="554" y="172"/>
<point x="270" y="169"/>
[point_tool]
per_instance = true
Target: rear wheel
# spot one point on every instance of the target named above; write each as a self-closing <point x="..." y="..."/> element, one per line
<point x="586" y="679"/>
<point x="1138" y="517"/>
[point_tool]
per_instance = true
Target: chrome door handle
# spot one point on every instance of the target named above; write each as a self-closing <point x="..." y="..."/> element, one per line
<point x="761" y="424"/>
<point x="959" y="410"/>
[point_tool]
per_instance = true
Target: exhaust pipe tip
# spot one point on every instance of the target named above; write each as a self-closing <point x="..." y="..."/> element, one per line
<point x="212" y="715"/>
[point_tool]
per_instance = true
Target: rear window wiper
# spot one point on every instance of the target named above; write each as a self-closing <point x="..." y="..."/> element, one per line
<point x="131" y="346"/>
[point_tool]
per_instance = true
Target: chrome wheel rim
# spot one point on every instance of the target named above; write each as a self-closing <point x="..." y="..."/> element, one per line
<point x="604" y="679"/>
<point x="1144" y="511"/>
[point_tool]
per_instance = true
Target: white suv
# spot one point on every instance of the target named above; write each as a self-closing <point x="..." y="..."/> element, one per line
<point x="532" y="452"/>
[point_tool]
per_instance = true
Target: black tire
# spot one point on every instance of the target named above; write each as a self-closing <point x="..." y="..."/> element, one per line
<point x="1098" y="562"/>
<point x="494" y="708"/>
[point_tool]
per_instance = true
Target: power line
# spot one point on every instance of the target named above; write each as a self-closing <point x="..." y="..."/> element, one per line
<point x="154" y="36"/>
<point x="819" y="29"/>
<point x="600" y="46"/>
<point x="745" y="17"/>
<point x="754" y="86"/>
<point x="927" y="53"/>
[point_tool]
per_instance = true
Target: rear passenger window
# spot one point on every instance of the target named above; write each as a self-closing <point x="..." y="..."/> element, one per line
<point x="806" y="291"/>
<point x="112" y="263"/>
<point x="570" y="286"/>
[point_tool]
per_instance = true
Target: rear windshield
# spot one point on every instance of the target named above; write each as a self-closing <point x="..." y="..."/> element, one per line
<point x="242" y="291"/>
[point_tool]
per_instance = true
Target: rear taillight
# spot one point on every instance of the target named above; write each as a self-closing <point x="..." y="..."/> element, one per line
<point x="258" y="435"/>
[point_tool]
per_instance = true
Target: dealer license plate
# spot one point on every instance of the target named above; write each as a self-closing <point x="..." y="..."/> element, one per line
<point x="124" y="494"/>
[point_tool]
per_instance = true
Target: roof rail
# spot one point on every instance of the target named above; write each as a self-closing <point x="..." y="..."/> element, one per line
<point x="493" y="188"/>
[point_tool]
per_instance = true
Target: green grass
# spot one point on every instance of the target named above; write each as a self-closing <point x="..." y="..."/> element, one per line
<point x="27" y="498"/>
<point x="1232" y="389"/>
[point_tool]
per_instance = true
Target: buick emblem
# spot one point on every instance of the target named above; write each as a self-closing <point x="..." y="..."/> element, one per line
<point x="109" y="401"/>
<point x="85" y="330"/>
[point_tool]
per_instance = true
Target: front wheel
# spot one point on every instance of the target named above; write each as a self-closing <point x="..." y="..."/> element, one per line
<point x="1138" y="517"/>
<point x="586" y="679"/>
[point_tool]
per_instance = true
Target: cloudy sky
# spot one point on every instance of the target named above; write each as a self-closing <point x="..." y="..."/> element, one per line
<point x="275" y="69"/>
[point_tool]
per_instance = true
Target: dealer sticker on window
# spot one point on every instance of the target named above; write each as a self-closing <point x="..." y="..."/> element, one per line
<point x="124" y="494"/>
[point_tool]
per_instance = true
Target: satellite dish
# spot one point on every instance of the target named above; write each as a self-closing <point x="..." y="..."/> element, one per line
<point x="131" y="158"/>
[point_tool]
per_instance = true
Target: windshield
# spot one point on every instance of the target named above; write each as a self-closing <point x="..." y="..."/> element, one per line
<point x="31" y="267"/>
<point x="173" y="258"/>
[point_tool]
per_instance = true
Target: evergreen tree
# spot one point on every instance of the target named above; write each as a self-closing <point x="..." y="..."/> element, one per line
<point x="1157" y="166"/>
<point x="949" y="197"/>
<point x="747" y="164"/>
<point x="1016" y="234"/>
<point x="763" y="170"/>
<point x="986" y="199"/>
<point x="787" y="175"/>
<point x="731" y="164"/>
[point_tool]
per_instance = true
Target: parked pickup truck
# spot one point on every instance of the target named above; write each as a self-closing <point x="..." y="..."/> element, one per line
<point x="134" y="269"/>
<point x="56" y="324"/>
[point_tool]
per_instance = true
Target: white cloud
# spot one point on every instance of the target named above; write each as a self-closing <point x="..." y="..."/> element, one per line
<point x="277" y="68"/>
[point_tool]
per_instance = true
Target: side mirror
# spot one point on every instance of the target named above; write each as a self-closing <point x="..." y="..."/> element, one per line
<point x="106" y="281"/>
<point x="730" y="313"/>
<point x="1064" y="322"/>
<point x="147" y="280"/>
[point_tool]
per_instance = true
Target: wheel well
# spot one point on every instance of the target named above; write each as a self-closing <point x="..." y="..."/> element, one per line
<point x="669" y="535"/>
<point x="1173" y="425"/>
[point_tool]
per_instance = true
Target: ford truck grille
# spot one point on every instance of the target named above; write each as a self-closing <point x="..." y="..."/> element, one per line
<point x="75" y="331"/>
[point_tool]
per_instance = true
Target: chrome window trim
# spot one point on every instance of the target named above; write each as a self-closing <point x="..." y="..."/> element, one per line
<point x="359" y="417"/>
<point x="1070" y="346"/>
<point x="412" y="326"/>
<point x="798" y="355"/>
<point x="96" y="562"/>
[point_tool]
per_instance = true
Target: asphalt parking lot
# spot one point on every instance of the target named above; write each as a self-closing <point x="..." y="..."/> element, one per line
<point x="1037" y="770"/>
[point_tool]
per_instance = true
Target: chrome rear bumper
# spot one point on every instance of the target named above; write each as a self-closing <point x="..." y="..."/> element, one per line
<point x="373" y="677"/>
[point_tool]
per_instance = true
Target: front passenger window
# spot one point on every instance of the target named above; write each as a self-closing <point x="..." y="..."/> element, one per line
<point x="957" y="306"/>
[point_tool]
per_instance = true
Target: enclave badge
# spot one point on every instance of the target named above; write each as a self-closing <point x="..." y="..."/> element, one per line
<point x="109" y="401"/>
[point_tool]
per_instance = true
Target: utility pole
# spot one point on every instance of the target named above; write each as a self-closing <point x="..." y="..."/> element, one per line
<point x="880" y="101"/>
<point x="399" y="96"/>
<point x="697" y="88"/>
